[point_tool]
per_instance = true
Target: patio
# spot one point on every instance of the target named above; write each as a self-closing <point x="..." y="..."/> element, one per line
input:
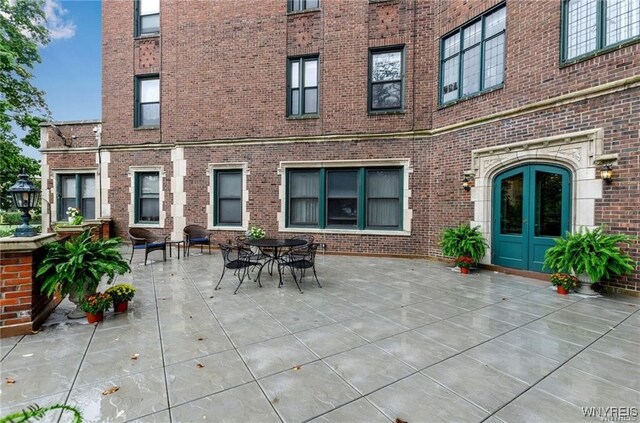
<point x="383" y="339"/>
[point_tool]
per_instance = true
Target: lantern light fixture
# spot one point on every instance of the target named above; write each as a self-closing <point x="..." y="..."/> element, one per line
<point x="606" y="174"/>
<point x="25" y="197"/>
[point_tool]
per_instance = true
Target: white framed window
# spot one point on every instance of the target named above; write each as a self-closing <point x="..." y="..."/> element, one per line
<point x="227" y="209"/>
<point x="75" y="188"/>
<point x="147" y="196"/>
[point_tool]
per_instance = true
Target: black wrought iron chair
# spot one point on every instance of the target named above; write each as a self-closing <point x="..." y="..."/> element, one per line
<point x="240" y="263"/>
<point x="304" y="258"/>
<point x="196" y="235"/>
<point x="143" y="239"/>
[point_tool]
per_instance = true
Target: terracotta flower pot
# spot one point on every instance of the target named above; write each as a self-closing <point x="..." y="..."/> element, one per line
<point x="464" y="270"/>
<point x="95" y="318"/>
<point x="561" y="290"/>
<point x="121" y="307"/>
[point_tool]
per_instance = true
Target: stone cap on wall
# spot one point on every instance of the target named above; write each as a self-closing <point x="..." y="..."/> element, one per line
<point x="19" y="244"/>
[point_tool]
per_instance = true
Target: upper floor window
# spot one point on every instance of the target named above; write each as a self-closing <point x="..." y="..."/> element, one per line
<point x="78" y="191"/>
<point x="147" y="197"/>
<point x="147" y="17"/>
<point x="297" y="5"/>
<point x="592" y="25"/>
<point x="351" y="198"/>
<point x="302" y="98"/>
<point x="472" y="57"/>
<point x="386" y="80"/>
<point x="227" y="197"/>
<point x="147" y="102"/>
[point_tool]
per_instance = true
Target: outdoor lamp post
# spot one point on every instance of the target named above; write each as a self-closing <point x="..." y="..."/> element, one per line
<point x="25" y="197"/>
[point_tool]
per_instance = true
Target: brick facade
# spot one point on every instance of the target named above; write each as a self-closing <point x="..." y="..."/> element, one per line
<point x="222" y="69"/>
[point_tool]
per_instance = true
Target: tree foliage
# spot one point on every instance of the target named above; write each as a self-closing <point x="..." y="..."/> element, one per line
<point x="22" y="32"/>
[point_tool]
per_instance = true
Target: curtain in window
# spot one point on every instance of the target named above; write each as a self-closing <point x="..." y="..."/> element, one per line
<point x="303" y="192"/>
<point x="383" y="195"/>
<point x="88" y="200"/>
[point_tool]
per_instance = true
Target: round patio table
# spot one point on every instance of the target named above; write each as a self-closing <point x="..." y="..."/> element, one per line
<point x="278" y="245"/>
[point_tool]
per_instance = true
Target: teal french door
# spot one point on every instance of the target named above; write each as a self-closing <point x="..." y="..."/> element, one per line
<point x="531" y="207"/>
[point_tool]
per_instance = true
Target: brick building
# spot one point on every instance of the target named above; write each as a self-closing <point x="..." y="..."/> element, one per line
<point x="357" y="121"/>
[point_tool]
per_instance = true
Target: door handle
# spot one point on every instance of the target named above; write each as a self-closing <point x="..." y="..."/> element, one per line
<point x="525" y="221"/>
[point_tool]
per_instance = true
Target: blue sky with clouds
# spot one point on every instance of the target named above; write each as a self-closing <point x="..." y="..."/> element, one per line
<point x="70" y="72"/>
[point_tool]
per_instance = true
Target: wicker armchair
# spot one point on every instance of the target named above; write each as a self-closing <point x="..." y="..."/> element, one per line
<point x="143" y="239"/>
<point x="196" y="235"/>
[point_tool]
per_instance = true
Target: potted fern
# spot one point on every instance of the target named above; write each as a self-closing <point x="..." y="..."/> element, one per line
<point x="592" y="256"/>
<point x="463" y="241"/>
<point x="76" y="267"/>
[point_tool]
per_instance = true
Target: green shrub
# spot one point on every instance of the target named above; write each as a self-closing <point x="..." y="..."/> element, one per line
<point x="11" y="218"/>
<point x="463" y="241"/>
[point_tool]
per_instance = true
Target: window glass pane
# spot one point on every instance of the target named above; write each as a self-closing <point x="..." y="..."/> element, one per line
<point x="386" y="66"/>
<point x="295" y="102"/>
<point x="64" y="206"/>
<point x="383" y="212"/>
<point x="150" y="183"/>
<point x="68" y="186"/>
<point x="149" y="90"/>
<point x="88" y="208"/>
<point x="311" y="100"/>
<point x="623" y="20"/>
<point x="148" y="7"/>
<point x="342" y="183"/>
<point x="450" y="79"/>
<point x="548" y="204"/>
<point x="581" y="27"/>
<point x="511" y="192"/>
<point x="296" y="4"/>
<point x="310" y="73"/>
<point x="304" y="184"/>
<point x="471" y="71"/>
<point x="304" y="189"/>
<point x="342" y="202"/>
<point x="149" y="210"/>
<point x="88" y="186"/>
<point x="383" y="198"/>
<point x="149" y="24"/>
<point x="386" y="95"/>
<point x="313" y="4"/>
<point x="229" y="184"/>
<point x="150" y="114"/>
<point x="472" y="34"/>
<point x="295" y="74"/>
<point x="452" y="45"/>
<point x="230" y="211"/>
<point x="383" y="183"/>
<point x="304" y="211"/>
<point x="494" y="61"/>
<point x="495" y="22"/>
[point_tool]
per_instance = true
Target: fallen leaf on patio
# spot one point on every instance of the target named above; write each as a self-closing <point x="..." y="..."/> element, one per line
<point x="190" y="317"/>
<point x="297" y="367"/>
<point x="200" y="339"/>
<point x="504" y="298"/>
<point x="275" y="400"/>
<point x="135" y="356"/>
<point x="211" y="296"/>
<point x="199" y="365"/>
<point x="400" y="421"/>
<point x="10" y="381"/>
<point x="34" y="331"/>
<point x="27" y="355"/>
<point x="111" y="390"/>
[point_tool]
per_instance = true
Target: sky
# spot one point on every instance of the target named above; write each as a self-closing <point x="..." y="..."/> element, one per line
<point x="70" y="71"/>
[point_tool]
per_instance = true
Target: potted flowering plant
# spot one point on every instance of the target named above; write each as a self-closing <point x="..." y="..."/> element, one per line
<point x="95" y="305"/>
<point x="564" y="282"/>
<point x="464" y="263"/>
<point x="121" y="294"/>
<point x="256" y="233"/>
<point x="74" y="216"/>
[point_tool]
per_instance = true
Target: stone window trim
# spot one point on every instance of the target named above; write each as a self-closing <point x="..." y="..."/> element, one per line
<point x="55" y="177"/>
<point x="133" y="170"/>
<point x="580" y="152"/>
<point x="211" y="169"/>
<point x="407" y="213"/>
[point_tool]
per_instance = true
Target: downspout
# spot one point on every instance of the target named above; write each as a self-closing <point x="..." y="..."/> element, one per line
<point x="97" y="130"/>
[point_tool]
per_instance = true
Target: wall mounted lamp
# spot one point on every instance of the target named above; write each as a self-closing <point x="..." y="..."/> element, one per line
<point x="465" y="184"/>
<point x="606" y="174"/>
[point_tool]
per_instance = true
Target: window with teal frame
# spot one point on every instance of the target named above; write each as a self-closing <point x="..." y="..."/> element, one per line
<point x="590" y="26"/>
<point x="147" y="101"/>
<point x="147" y="17"/>
<point x="76" y="190"/>
<point x="472" y="58"/>
<point x="302" y="86"/>
<point x="300" y="5"/>
<point x="345" y="198"/>
<point x="227" y="210"/>
<point x="147" y="197"/>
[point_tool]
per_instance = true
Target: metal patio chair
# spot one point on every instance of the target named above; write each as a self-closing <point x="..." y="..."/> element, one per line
<point x="304" y="258"/>
<point x="240" y="263"/>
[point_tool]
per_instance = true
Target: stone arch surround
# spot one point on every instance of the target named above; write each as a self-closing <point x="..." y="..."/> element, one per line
<point x="580" y="152"/>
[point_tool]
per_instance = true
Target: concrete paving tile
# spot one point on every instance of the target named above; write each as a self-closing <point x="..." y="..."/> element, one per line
<point x="405" y="400"/>
<point x="437" y="309"/>
<point x="314" y="389"/>
<point x="624" y="305"/>
<point x="159" y="417"/>
<point x="591" y="323"/>
<point x="205" y="376"/>
<point x="368" y="368"/>
<point x="275" y="355"/>
<point x="137" y="395"/>
<point x="518" y="304"/>
<point x="48" y="400"/>
<point x="536" y="406"/>
<point x="360" y="410"/>
<point x="299" y="320"/>
<point x="576" y="335"/>
<point x="516" y="362"/>
<point x="503" y="314"/>
<point x="137" y="334"/>
<point x="329" y="340"/>
<point x="585" y="390"/>
<point x="245" y="403"/>
<point x="588" y="309"/>
<point x="483" y="324"/>
<point x="373" y="327"/>
<point x="48" y="351"/>
<point x="480" y="384"/>
<point x="416" y="350"/>
<point x="613" y="369"/>
<point x="453" y="336"/>
<point x="550" y="347"/>
<point x="463" y="301"/>
<point x="617" y="347"/>
<point x="626" y="331"/>
<point x="409" y="318"/>
<point x="38" y="380"/>
<point x="178" y="347"/>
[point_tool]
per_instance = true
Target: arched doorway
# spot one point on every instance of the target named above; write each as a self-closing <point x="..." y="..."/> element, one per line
<point x="531" y="207"/>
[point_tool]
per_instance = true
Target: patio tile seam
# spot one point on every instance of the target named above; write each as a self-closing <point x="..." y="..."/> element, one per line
<point x="75" y="377"/>
<point x="563" y="363"/>
<point x="11" y="349"/>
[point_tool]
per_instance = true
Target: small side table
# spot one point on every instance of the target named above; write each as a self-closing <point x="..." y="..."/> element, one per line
<point x="177" y="244"/>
